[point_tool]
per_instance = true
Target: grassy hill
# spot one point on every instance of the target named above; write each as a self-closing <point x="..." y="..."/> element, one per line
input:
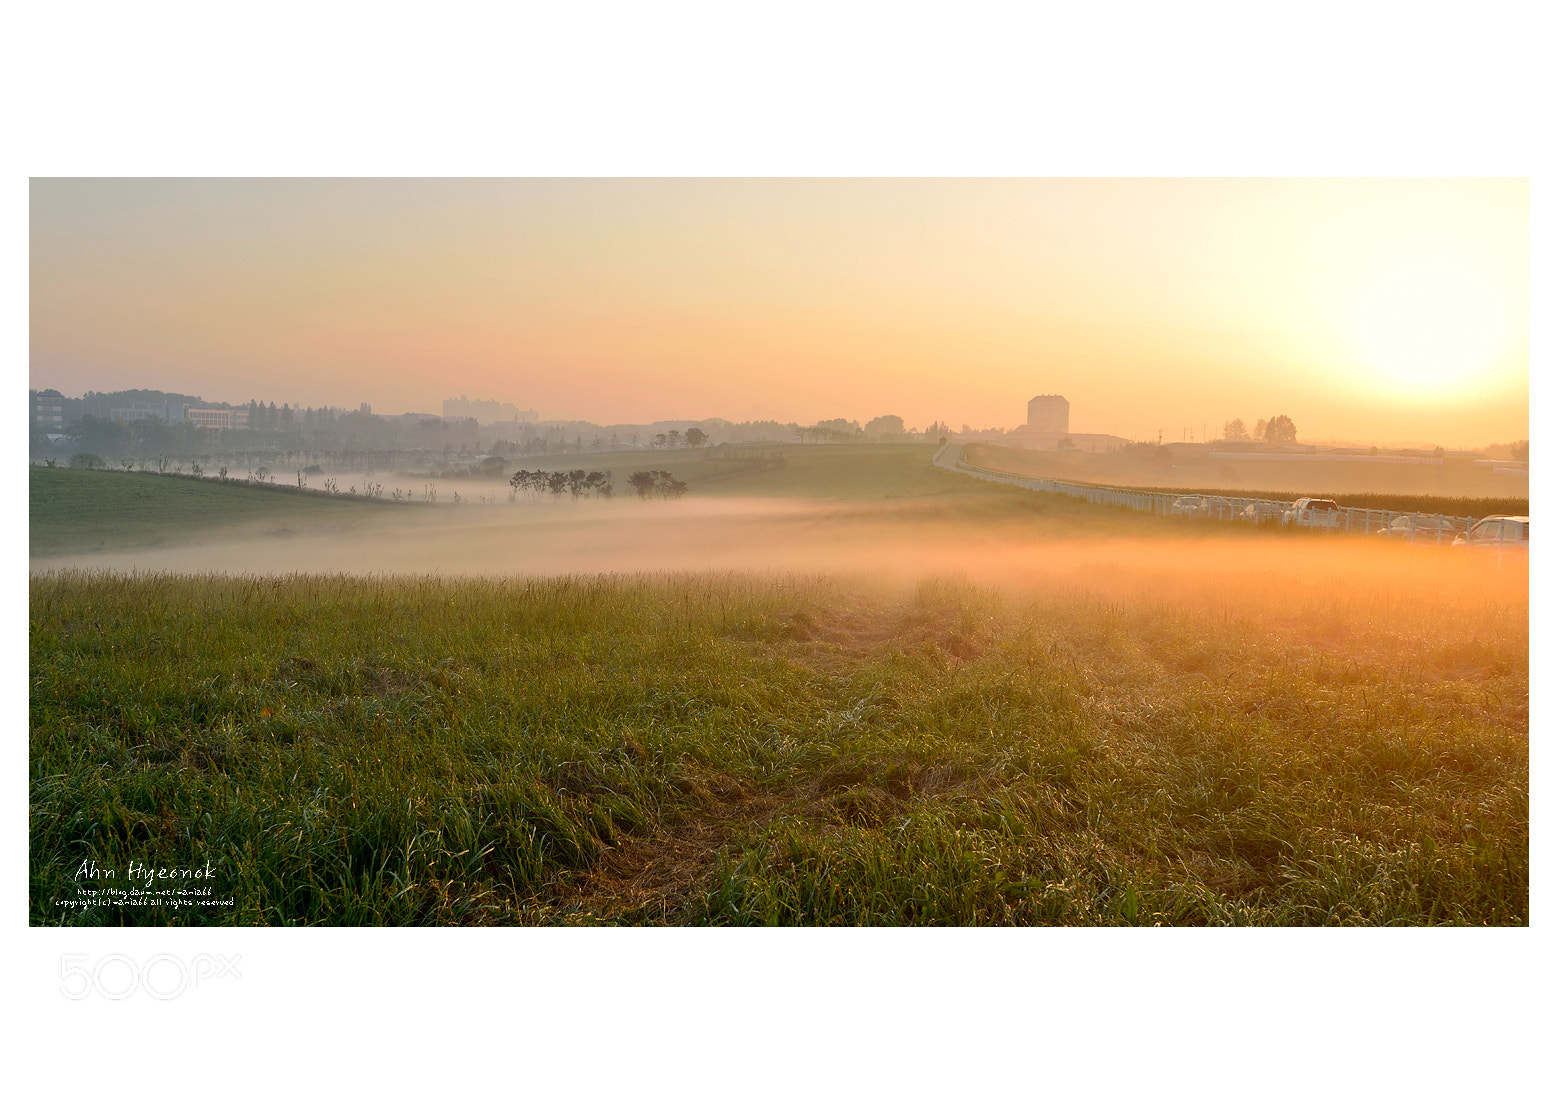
<point x="866" y="492"/>
<point x="836" y="472"/>
<point x="87" y="511"/>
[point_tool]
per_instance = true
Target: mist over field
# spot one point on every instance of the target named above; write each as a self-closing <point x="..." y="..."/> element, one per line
<point x="1207" y="565"/>
<point x="846" y="688"/>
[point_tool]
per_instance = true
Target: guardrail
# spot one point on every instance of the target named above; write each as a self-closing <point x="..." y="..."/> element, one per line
<point x="1435" y="529"/>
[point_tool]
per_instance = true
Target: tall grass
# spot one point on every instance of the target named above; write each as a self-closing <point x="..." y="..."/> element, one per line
<point x="777" y="749"/>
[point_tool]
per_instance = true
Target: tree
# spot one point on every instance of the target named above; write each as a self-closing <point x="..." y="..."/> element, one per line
<point x="1281" y="431"/>
<point x="1235" y="430"/>
<point x="660" y="440"/>
<point x="101" y="436"/>
<point x="1260" y="432"/>
<point x="668" y="487"/>
<point x="1521" y="450"/>
<point x="660" y="484"/>
<point x="642" y="482"/>
<point x="1066" y="443"/>
<point x="886" y="424"/>
<point x="674" y="439"/>
<point x="695" y="437"/>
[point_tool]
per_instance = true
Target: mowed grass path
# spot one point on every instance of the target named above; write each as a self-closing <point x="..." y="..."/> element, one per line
<point x="722" y="749"/>
<point x="84" y="511"/>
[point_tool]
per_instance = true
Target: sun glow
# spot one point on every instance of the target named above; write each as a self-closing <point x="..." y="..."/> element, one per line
<point x="1430" y="329"/>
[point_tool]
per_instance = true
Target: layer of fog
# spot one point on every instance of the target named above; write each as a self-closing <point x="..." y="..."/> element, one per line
<point x="894" y="542"/>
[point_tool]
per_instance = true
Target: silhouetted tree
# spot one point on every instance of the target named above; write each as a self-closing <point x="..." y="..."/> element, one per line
<point x="1281" y="431"/>
<point x="659" y="484"/>
<point x="887" y="423"/>
<point x="1521" y="450"/>
<point x="1235" y="430"/>
<point x="668" y="487"/>
<point x="695" y="437"/>
<point x="642" y="482"/>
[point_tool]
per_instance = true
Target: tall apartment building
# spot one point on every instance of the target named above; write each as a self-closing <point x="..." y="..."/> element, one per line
<point x="1049" y="415"/>
<point x="47" y="409"/>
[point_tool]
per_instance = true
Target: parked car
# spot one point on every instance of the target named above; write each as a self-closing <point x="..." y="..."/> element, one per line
<point x="1498" y="532"/>
<point x="1421" y="528"/>
<point x="1313" y="513"/>
<point x="1188" y="506"/>
<point x="1263" y="511"/>
<point x="1220" y="508"/>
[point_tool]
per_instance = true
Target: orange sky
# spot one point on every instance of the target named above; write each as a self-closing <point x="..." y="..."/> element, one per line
<point x="1370" y="310"/>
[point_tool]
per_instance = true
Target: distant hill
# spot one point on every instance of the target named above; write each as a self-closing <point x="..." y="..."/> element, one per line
<point x="89" y="511"/>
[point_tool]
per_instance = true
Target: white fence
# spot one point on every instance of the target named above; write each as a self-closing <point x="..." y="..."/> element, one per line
<point x="1437" y="529"/>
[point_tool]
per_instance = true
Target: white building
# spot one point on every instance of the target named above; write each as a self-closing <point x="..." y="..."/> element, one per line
<point x="217" y="419"/>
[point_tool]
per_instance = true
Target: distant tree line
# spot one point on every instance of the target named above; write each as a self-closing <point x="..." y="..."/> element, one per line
<point x="1279" y="430"/>
<point x="274" y="427"/>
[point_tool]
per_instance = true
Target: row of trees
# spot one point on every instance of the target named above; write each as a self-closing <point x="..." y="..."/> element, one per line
<point x="576" y="483"/>
<point x="1279" y="430"/>
<point x="147" y="437"/>
<point x="693" y="438"/>
<point x="657" y="484"/>
<point x="886" y="427"/>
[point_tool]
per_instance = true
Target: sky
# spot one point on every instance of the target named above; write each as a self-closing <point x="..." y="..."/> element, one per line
<point x="1367" y="310"/>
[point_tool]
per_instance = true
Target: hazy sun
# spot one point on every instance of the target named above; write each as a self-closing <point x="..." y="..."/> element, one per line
<point x="1427" y="329"/>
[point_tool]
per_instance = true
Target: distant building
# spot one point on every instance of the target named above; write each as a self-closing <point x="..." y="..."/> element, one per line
<point x="1049" y="414"/>
<point x="139" y="411"/>
<point x="47" y="409"/>
<point x="1050" y="423"/>
<point x="217" y="419"/>
<point x="486" y="410"/>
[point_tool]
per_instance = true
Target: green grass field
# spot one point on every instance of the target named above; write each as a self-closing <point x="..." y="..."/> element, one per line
<point x="85" y="511"/>
<point x="1167" y="725"/>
